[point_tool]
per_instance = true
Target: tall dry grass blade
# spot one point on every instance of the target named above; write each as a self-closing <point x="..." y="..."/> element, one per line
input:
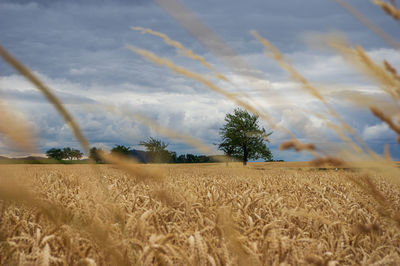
<point x="385" y="207"/>
<point x="296" y="76"/>
<point x="16" y="192"/>
<point x="385" y="118"/>
<point x="227" y="227"/>
<point x="16" y="129"/>
<point x="213" y="42"/>
<point x="208" y="38"/>
<point x="358" y="58"/>
<point x="393" y="85"/>
<point x="391" y="10"/>
<point x="23" y="70"/>
<point x="169" y="133"/>
<point x="161" y="190"/>
<point x="371" y="25"/>
<point x="389" y="68"/>
<point x="192" y="75"/>
<point x="200" y="146"/>
<point x="340" y="132"/>
<point x="328" y="161"/>
<point x="189" y="53"/>
<point x="386" y="152"/>
<point x="286" y="66"/>
<point x="364" y="99"/>
<point x="132" y="167"/>
<point x="296" y="145"/>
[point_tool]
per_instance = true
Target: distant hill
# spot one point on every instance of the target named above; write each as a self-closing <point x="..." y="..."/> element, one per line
<point x="25" y="160"/>
<point x="140" y="156"/>
<point x="30" y="158"/>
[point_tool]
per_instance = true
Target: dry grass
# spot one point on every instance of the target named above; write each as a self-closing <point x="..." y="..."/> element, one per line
<point x="391" y="10"/>
<point x="50" y="96"/>
<point x="16" y="128"/>
<point x="296" y="145"/>
<point x="378" y="113"/>
<point x="225" y="216"/>
<point x="369" y="24"/>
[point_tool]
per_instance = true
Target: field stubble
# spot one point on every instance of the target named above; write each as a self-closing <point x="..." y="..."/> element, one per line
<point x="205" y="214"/>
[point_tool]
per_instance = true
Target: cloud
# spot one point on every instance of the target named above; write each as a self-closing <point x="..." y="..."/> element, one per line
<point x="378" y="132"/>
<point x="77" y="48"/>
<point x="198" y="115"/>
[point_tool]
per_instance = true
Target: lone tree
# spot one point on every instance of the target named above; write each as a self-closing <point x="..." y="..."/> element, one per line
<point x="157" y="151"/>
<point x="94" y="154"/>
<point x="243" y="138"/>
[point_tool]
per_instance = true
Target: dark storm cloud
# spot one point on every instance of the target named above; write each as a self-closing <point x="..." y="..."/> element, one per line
<point x="81" y="2"/>
<point x="34" y="96"/>
<point x="77" y="48"/>
<point x="283" y="22"/>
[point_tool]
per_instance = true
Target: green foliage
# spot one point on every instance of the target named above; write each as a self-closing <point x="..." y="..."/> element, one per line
<point x="55" y="153"/>
<point x="121" y="150"/>
<point x="154" y="145"/>
<point x="190" y="158"/>
<point x="65" y="153"/>
<point x="157" y="151"/>
<point x="173" y="157"/>
<point x="71" y="154"/>
<point x="94" y="154"/>
<point x="243" y="138"/>
<point x="77" y="154"/>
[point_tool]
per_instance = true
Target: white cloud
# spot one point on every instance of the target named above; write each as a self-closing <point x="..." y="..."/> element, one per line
<point x="77" y="49"/>
<point x="379" y="132"/>
<point x="198" y="115"/>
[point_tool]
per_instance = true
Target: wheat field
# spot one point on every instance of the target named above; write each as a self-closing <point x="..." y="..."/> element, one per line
<point x="202" y="215"/>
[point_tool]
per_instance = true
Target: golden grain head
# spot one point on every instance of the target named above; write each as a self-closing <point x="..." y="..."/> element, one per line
<point x="224" y="215"/>
<point x="391" y="10"/>
<point x="296" y="145"/>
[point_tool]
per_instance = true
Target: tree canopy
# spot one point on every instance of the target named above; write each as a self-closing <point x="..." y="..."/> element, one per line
<point x="55" y="153"/>
<point x="157" y="151"/>
<point x="94" y="154"/>
<point x="243" y="138"/>
<point x="121" y="150"/>
<point x="65" y="153"/>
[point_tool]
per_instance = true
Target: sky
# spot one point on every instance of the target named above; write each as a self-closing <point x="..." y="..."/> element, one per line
<point x="79" y="49"/>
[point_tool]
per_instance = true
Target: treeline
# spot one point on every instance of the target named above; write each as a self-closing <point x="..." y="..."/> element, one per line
<point x="190" y="158"/>
<point x="155" y="152"/>
<point x="242" y="138"/>
<point x="64" y="154"/>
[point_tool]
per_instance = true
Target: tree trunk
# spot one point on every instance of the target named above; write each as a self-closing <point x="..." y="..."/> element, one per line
<point x="245" y="155"/>
<point x="227" y="159"/>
